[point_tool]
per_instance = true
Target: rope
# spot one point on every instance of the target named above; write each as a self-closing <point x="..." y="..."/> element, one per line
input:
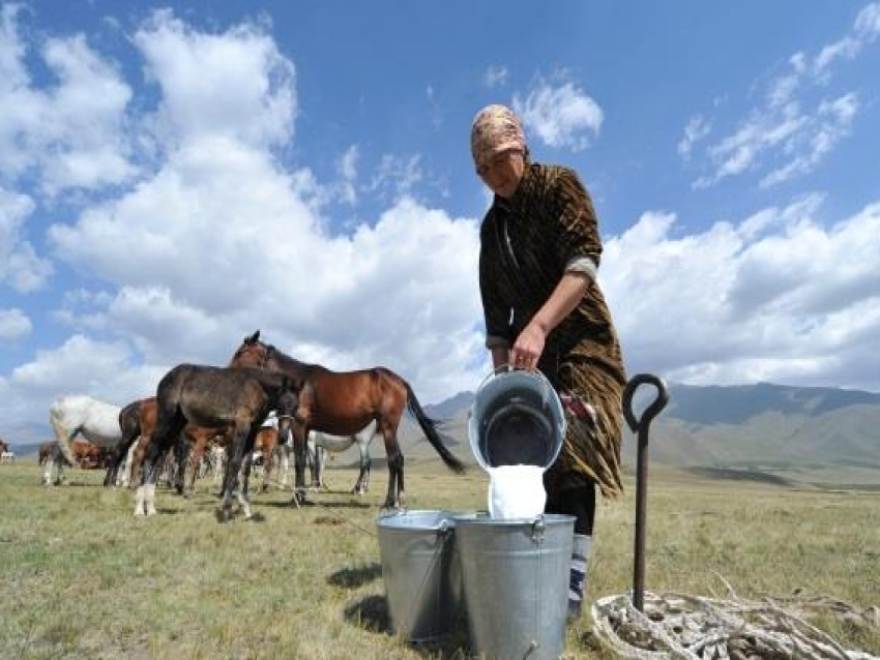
<point x="681" y="627"/>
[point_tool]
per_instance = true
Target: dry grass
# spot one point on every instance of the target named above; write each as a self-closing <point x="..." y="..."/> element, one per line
<point x="82" y="578"/>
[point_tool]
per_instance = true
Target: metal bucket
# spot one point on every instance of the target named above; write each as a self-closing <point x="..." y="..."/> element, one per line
<point x="516" y="419"/>
<point x="421" y="572"/>
<point x="515" y="575"/>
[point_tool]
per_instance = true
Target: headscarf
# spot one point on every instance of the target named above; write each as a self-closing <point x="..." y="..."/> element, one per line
<point x="496" y="128"/>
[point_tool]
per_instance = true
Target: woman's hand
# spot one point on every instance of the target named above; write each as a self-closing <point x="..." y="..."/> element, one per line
<point x="528" y="347"/>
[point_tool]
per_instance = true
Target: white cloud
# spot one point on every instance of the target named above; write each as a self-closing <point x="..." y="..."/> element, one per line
<point x="561" y="117"/>
<point x="777" y="296"/>
<point x="831" y="124"/>
<point x="105" y="370"/>
<point x="696" y="129"/>
<point x="14" y="324"/>
<point x="495" y="76"/>
<point x="347" y="168"/>
<point x="791" y="132"/>
<point x="234" y="85"/>
<point x="20" y="266"/>
<point x="73" y="134"/>
<point x="396" y="175"/>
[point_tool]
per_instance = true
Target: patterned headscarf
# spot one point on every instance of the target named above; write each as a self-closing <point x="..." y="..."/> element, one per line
<point x="496" y="128"/>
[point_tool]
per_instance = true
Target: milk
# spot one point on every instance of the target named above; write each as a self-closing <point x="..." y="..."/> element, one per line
<point x="516" y="491"/>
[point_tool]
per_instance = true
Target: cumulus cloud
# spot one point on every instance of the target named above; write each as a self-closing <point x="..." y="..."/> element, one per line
<point x="778" y="296"/>
<point x="14" y="324"/>
<point x="797" y="124"/>
<point x="562" y="117"/>
<point x="71" y="134"/>
<point x="20" y="266"/>
<point x="105" y="370"/>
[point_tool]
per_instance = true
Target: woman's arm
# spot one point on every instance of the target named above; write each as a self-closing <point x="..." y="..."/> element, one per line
<point x="529" y="345"/>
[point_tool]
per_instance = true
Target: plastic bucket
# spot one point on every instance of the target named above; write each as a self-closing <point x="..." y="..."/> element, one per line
<point x="515" y="575"/>
<point x="421" y="572"/>
<point x="516" y="419"/>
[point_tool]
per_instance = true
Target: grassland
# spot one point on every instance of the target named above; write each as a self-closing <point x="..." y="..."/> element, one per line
<point x="80" y="577"/>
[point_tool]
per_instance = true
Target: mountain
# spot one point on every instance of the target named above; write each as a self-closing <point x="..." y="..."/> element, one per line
<point x="763" y="427"/>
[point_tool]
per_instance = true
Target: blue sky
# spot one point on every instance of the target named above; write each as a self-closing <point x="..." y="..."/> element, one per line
<point x="173" y="177"/>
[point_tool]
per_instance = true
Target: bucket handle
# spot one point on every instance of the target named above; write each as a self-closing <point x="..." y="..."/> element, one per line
<point x="538" y="529"/>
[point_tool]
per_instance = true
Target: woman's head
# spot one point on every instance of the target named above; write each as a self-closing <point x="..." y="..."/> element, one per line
<point x="498" y="146"/>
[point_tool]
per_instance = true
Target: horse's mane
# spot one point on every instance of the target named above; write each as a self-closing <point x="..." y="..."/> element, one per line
<point x="290" y="362"/>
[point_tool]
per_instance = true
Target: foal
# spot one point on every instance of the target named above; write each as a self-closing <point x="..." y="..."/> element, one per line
<point x="238" y="399"/>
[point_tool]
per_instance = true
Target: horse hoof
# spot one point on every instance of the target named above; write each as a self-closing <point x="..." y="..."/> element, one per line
<point x="151" y="512"/>
<point x="139" y="513"/>
<point x="224" y="515"/>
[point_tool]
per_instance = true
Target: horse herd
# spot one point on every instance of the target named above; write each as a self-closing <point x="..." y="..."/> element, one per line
<point x="196" y="405"/>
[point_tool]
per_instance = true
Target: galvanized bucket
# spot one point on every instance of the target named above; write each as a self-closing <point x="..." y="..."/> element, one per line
<point x="421" y="572"/>
<point x="515" y="575"/>
<point x="516" y="419"/>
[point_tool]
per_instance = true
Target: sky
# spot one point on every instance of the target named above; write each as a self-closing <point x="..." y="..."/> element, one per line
<point x="176" y="176"/>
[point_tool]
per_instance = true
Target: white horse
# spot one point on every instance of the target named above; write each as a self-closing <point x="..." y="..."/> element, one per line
<point x="96" y="421"/>
<point x="338" y="443"/>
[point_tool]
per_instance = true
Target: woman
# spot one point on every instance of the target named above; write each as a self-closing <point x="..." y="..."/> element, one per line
<point x="539" y="252"/>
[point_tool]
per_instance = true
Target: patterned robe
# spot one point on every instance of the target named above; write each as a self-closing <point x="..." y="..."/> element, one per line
<point x="527" y="243"/>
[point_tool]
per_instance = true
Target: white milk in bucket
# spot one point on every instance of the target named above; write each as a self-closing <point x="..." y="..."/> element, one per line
<point x="516" y="491"/>
<point x="516" y="431"/>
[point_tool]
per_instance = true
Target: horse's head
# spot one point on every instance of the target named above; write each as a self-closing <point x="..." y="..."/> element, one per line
<point x="285" y="408"/>
<point x="251" y="353"/>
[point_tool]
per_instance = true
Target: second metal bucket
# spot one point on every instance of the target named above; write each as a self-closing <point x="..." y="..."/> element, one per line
<point x="515" y="575"/>
<point x="421" y="572"/>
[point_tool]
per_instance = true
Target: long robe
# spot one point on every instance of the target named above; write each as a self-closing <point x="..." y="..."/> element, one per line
<point x="527" y="243"/>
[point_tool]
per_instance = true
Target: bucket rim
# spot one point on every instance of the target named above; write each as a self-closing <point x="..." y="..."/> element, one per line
<point x="483" y="518"/>
<point x="525" y="376"/>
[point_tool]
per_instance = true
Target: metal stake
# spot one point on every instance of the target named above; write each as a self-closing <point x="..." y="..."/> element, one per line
<point x="642" y="426"/>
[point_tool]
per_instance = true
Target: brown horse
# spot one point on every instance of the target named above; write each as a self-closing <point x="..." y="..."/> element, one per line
<point x="138" y="421"/>
<point x="343" y="403"/>
<point x="237" y="399"/>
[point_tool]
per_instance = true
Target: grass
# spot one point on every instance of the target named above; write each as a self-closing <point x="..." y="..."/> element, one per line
<point x="80" y="577"/>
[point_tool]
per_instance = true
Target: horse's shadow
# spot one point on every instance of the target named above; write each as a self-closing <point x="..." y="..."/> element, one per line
<point x="372" y="615"/>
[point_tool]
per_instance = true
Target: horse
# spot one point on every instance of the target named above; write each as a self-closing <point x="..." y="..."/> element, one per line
<point x="336" y="443"/>
<point x="6" y="453"/>
<point x="235" y="399"/>
<point x="44" y="452"/>
<point x="94" y="420"/>
<point x="343" y="403"/>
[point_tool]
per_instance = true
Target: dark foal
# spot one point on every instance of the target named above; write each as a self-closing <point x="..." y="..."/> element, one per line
<point x="238" y="399"/>
<point x="343" y="403"/>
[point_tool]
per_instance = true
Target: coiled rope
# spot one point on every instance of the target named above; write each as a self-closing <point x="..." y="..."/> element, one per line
<point x="682" y="627"/>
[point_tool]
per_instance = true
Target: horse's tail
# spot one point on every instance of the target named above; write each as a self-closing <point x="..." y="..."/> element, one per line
<point x="429" y="428"/>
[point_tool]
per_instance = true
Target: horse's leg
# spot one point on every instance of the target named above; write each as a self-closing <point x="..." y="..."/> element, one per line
<point x="166" y="431"/>
<point x="268" y="460"/>
<point x="51" y="460"/>
<point x="124" y="480"/>
<point x="233" y="466"/>
<point x="360" y="486"/>
<point x="300" y="434"/>
<point x="394" y="497"/>
<point x="285" y="466"/>
<point x="320" y="458"/>
<point x="197" y="441"/>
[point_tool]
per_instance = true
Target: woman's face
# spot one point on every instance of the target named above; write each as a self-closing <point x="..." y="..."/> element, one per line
<point x="503" y="172"/>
